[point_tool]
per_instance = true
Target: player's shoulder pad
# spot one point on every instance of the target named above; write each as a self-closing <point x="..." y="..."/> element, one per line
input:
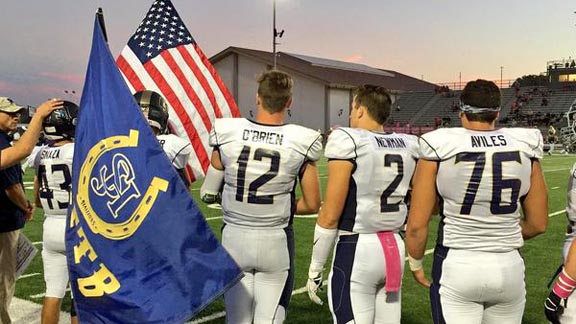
<point x="341" y="144"/>
<point x="308" y="140"/>
<point x="433" y="142"/>
<point x="222" y="128"/>
<point x="414" y="144"/>
<point x="68" y="152"/>
<point x="531" y="138"/>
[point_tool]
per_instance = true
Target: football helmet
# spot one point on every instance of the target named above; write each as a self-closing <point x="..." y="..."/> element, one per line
<point x="61" y="123"/>
<point x="154" y="108"/>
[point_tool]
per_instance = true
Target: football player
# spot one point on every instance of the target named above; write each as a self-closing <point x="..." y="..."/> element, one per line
<point x="369" y="173"/>
<point x="259" y="162"/>
<point x="178" y="150"/>
<point x="559" y="307"/>
<point x="52" y="189"/>
<point x="482" y="177"/>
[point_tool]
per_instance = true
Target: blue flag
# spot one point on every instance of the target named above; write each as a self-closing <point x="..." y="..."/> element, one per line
<point x="139" y="250"/>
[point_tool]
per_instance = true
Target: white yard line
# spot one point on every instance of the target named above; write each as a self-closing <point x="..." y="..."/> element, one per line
<point x="43" y="294"/>
<point x="208" y="318"/>
<point x="554" y="188"/>
<point x="557" y="213"/>
<point x="28" y="275"/>
<point x="556" y="170"/>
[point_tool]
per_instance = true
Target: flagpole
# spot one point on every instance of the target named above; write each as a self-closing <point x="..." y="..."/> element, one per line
<point x="100" y="15"/>
<point x="274" y="32"/>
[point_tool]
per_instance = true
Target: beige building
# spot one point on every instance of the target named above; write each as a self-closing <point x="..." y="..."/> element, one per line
<point x="322" y="87"/>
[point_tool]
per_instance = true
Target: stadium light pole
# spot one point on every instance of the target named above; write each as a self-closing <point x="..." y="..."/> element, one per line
<point x="275" y="33"/>
<point x="501" y="70"/>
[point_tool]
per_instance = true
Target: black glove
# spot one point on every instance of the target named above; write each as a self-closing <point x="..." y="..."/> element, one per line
<point x="553" y="308"/>
<point x="212" y="199"/>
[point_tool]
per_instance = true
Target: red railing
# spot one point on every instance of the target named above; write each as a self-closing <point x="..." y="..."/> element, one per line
<point x="459" y="85"/>
<point x="416" y="130"/>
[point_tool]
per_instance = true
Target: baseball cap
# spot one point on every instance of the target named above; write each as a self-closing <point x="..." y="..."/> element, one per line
<point x="7" y="105"/>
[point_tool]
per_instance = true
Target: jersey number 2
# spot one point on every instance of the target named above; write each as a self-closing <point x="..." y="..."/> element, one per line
<point x="386" y="207"/>
<point x="259" y="154"/>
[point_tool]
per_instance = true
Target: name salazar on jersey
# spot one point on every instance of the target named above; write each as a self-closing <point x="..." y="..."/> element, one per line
<point x="50" y="154"/>
<point x="257" y="136"/>
<point x="114" y="196"/>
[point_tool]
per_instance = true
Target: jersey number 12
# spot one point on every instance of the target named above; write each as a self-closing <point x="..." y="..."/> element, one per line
<point x="259" y="154"/>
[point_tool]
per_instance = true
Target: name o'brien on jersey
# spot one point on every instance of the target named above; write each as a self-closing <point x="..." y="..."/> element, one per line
<point x="262" y="137"/>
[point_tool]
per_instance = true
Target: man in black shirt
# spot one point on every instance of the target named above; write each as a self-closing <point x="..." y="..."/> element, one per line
<point x="15" y="210"/>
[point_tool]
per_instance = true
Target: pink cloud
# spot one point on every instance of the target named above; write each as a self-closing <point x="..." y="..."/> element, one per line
<point x="353" y="59"/>
<point x="33" y="94"/>
<point x="74" y="79"/>
<point x="7" y="87"/>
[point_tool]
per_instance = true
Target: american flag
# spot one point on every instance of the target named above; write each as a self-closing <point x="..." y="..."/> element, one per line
<point x="162" y="56"/>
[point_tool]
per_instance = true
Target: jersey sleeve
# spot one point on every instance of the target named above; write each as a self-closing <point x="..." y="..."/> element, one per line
<point x="315" y="150"/>
<point x="69" y="158"/>
<point x="213" y="140"/>
<point x="530" y="141"/>
<point x="426" y="149"/>
<point x="35" y="157"/>
<point x="182" y="155"/>
<point x="340" y="145"/>
<point x="414" y="146"/>
<point x="537" y="143"/>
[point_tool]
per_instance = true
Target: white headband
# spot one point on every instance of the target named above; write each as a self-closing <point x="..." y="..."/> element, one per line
<point x="475" y="110"/>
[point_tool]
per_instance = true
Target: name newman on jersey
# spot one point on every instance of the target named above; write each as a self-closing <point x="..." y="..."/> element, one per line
<point x="386" y="142"/>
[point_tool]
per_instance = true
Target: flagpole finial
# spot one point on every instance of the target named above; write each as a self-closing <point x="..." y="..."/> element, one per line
<point x="100" y="15"/>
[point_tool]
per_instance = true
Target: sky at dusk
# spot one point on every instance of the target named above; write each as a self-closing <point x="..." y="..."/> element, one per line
<point x="45" y="44"/>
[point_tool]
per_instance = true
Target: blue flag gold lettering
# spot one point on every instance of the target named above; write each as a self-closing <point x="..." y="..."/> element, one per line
<point x="139" y="250"/>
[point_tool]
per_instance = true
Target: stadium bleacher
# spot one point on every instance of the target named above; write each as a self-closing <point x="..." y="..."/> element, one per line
<point x="541" y="105"/>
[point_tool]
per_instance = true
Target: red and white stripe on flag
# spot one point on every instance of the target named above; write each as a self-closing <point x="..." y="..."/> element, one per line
<point x="167" y="60"/>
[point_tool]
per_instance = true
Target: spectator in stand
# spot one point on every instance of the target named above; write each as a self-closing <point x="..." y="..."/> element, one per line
<point x="551" y="138"/>
<point x="516" y="87"/>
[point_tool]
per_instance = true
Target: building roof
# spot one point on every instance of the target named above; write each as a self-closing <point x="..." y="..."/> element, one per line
<point x="332" y="72"/>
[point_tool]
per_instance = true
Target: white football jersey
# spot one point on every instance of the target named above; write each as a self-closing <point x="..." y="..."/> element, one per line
<point x="571" y="205"/>
<point x="261" y="164"/>
<point x="482" y="176"/>
<point x="177" y="149"/>
<point x="383" y="167"/>
<point x="54" y="171"/>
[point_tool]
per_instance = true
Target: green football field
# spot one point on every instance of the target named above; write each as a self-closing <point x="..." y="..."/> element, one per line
<point x="542" y="255"/>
